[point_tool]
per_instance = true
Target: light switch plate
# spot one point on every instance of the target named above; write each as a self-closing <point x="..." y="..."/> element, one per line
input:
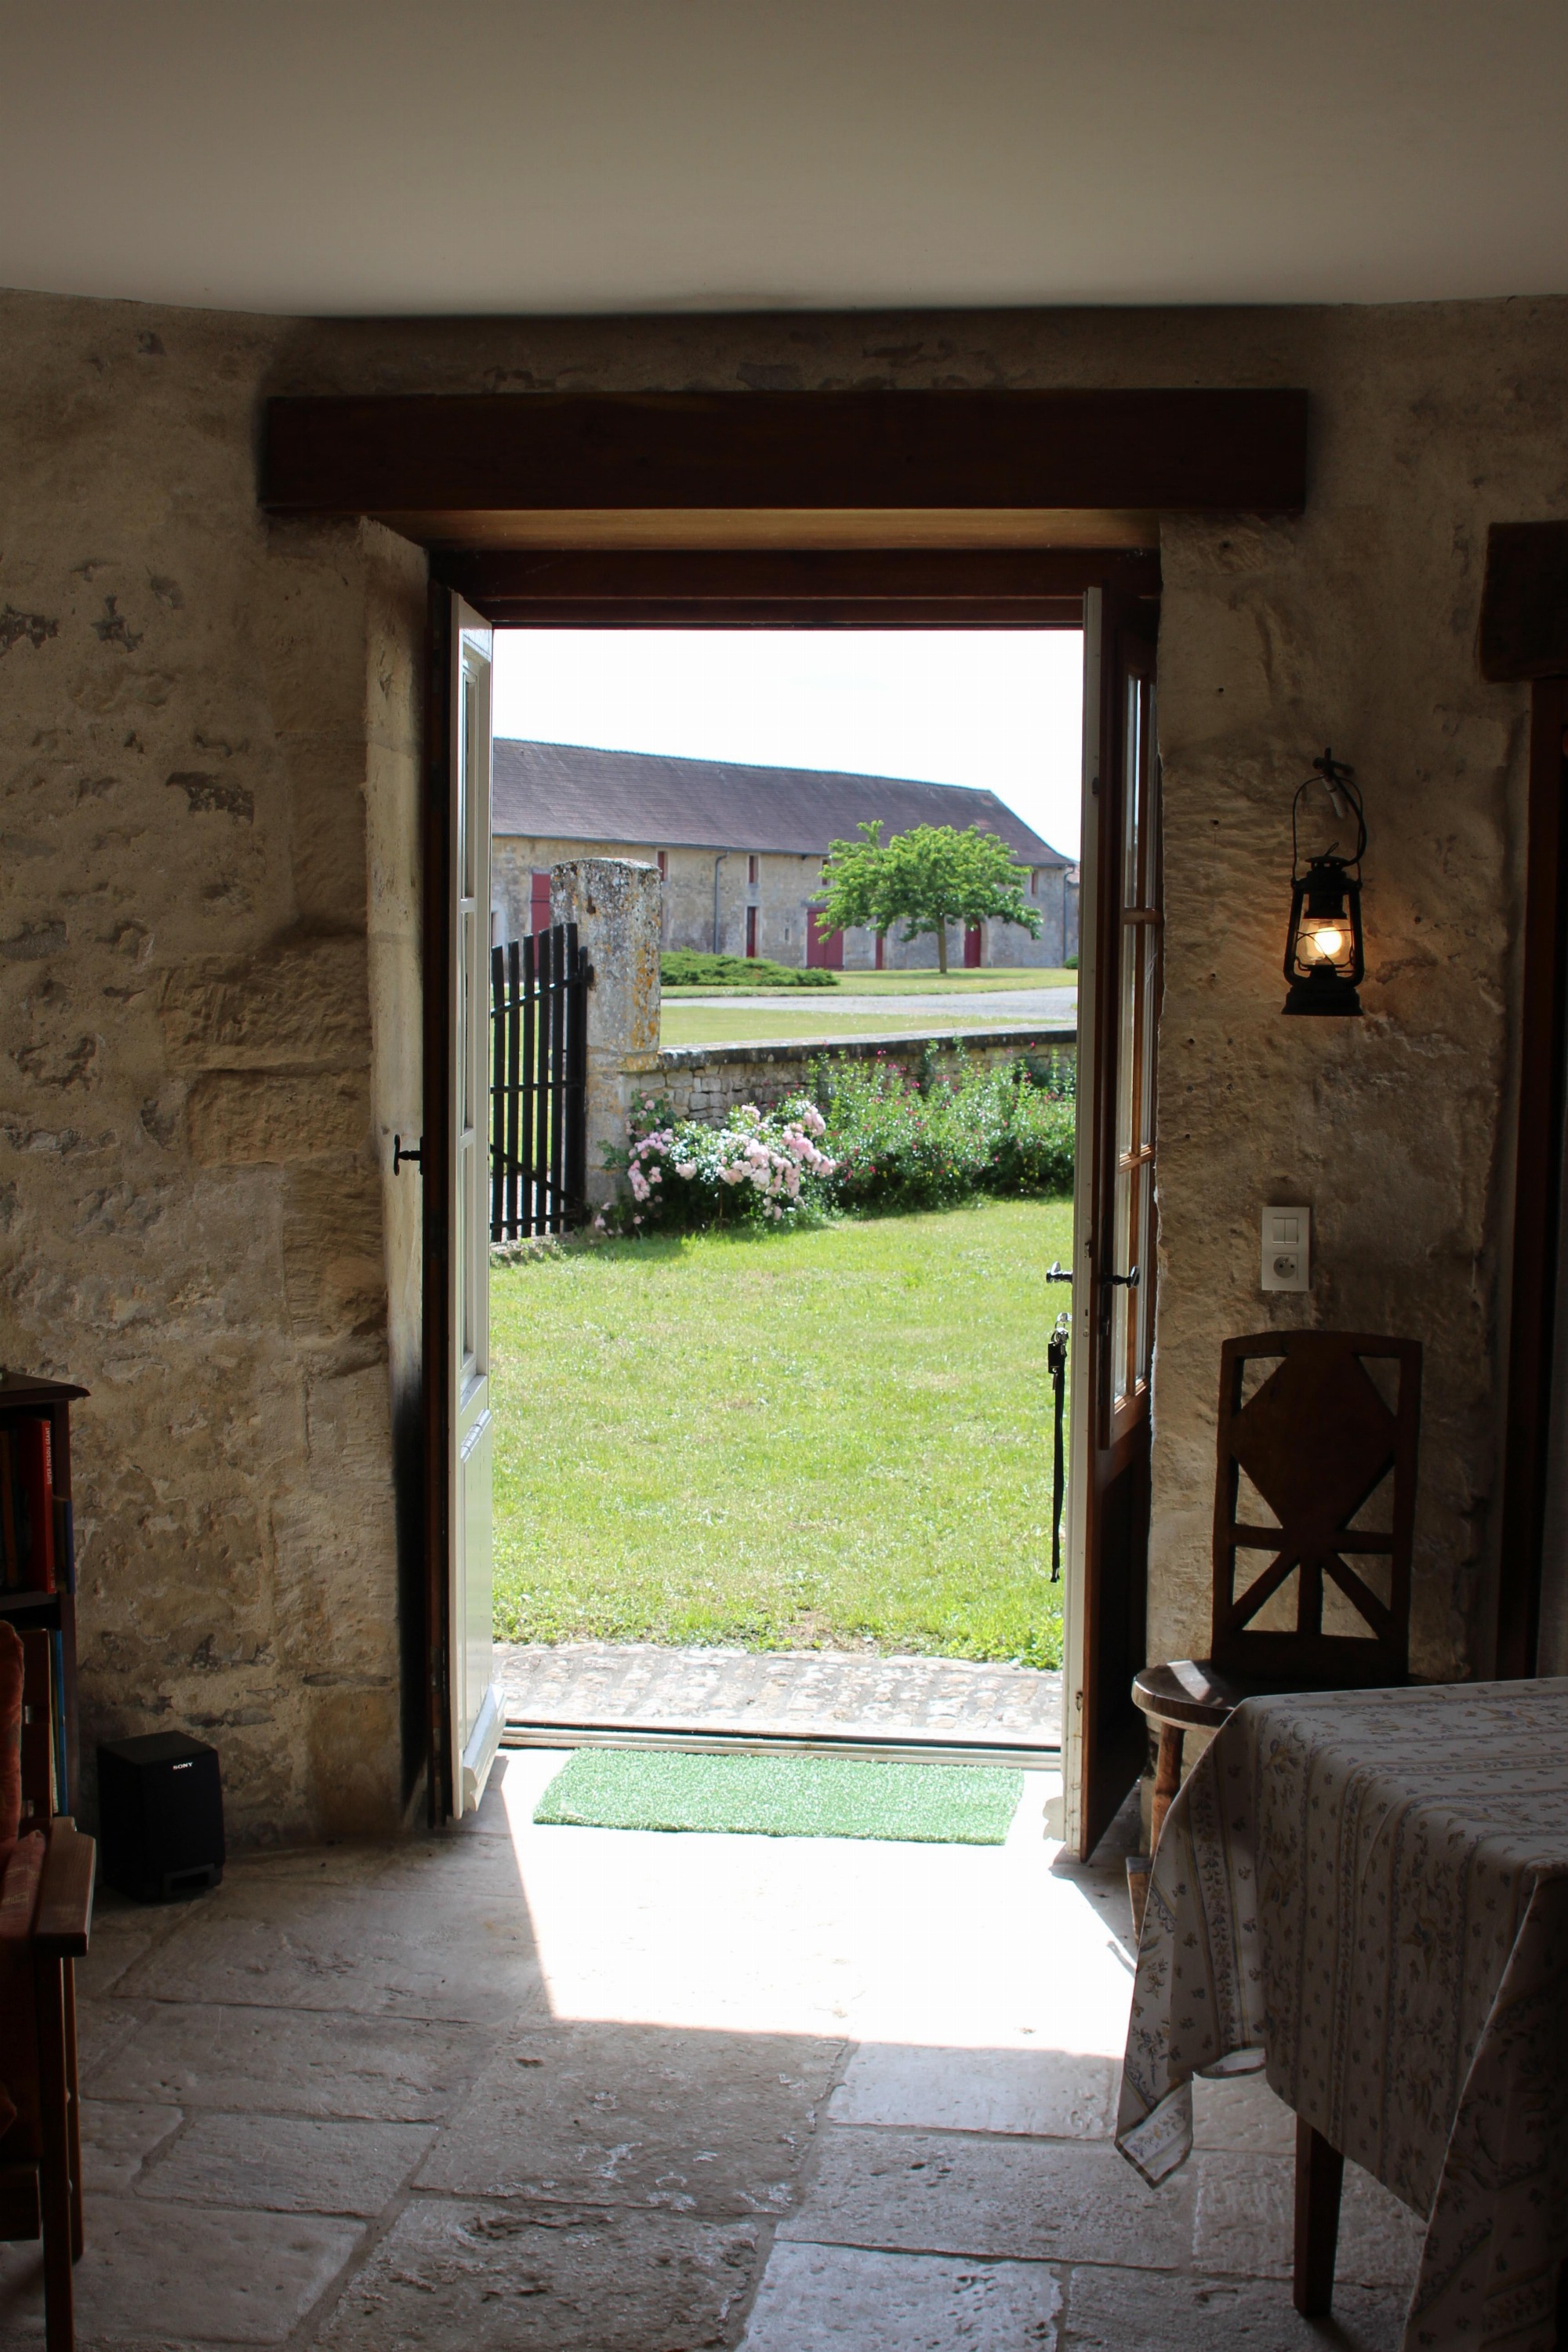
<point x="1287" y="1249"/>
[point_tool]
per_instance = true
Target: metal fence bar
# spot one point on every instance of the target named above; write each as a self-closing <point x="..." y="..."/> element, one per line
<point x="498" y="1094"/>
<point x="512" y="1138"/>
<point x="530" y="993"/>
<point x="557" y="1068"/>
<point x="574" y="1086"/>
<point x="539" y="1085"/>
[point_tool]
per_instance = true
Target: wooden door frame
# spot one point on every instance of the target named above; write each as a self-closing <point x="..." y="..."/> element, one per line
<point x="1524" y="638"/>
<point x="436" y="1163"/>
<point x="1096" y="1244"/>
<point x="919" y="509"/>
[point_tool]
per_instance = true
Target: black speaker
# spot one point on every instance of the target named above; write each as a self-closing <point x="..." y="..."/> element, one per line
<point x="160" y="1816"/>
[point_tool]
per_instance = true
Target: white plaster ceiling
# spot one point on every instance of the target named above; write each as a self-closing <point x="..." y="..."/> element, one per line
<point x="576" y="155"/>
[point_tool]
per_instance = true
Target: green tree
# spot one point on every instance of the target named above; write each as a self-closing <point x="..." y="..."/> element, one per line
<point x="925" y="878"/>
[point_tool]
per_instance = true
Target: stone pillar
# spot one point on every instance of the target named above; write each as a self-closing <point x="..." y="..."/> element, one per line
<point x="615" y="907"/>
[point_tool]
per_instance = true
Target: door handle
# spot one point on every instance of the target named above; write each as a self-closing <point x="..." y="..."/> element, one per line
<point x="1123" y="1281"/>
<point x="1058" y="1272"/>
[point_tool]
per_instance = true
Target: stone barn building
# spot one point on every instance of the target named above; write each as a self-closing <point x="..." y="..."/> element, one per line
<point x="741" y="850"/>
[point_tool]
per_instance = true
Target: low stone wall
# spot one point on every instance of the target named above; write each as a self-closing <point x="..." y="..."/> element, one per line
<point x="708" y="1082"/>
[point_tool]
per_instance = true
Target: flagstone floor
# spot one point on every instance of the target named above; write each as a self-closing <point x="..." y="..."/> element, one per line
<point x="561" y="2090"/>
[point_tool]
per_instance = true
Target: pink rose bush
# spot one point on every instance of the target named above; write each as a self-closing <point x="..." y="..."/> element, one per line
<point x="763" y="1166"/>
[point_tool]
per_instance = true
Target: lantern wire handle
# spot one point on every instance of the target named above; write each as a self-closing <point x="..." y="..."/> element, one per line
<point x="1339" y="781"/>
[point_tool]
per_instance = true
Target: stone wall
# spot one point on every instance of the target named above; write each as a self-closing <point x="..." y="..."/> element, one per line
<point x="209" y="774"/>
<point x="708" y="1082"/>
<point x="205" y="758"/>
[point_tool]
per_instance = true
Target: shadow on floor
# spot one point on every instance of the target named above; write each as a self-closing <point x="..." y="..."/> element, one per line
<point x="590" y="2091"/>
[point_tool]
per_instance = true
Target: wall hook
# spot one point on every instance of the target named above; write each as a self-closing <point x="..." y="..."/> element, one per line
<point x="416" y="1158"/>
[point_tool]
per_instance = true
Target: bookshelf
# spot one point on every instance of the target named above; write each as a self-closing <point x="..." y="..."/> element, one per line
<point x="37" y="1580"/>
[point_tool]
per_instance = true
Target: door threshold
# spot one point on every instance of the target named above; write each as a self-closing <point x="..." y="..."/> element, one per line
<point x="697" y="1741"/>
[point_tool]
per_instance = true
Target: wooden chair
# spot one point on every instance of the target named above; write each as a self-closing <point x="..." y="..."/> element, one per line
<point x="46" y="1905"/>
<point x="1317" y="1441"/>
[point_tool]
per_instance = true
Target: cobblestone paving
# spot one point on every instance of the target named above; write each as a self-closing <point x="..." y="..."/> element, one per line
<point x="801" y="1692"/>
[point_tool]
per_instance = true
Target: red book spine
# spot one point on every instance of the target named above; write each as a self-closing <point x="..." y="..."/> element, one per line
<point x="37" y="1466"/>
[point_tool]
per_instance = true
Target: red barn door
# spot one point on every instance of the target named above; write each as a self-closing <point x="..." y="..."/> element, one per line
<point x="822" y="954"/>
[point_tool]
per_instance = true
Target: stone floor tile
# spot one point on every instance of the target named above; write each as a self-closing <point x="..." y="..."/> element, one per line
<point x="1241" y="2112"/>
<point x="287" y="1943"/>
<point x="488" y="2278"/>
<point x="844" y="2299"/>
<point x="163" y="2275"/>
<point x="1245" y="2212"/>
<point x="1245" y="2220"/>
<point x="1046" y="2093"/>
<point x="302" y="2061"/>
<point x="1380" y="2239"/>
<point x="1030" y="2200"/>
<point x="122" y="1933"/>
<point x="289" y="2164"/>
<point x="1133" y="2311"/>
<point x="626" y="2114"/>
<point x="103" y="2030"/>
<point x="346" y="1865"/>
<point x="117" y="2137"/>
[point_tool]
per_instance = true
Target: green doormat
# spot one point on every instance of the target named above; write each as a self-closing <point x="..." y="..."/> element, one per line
<point x="782" y="1796"/>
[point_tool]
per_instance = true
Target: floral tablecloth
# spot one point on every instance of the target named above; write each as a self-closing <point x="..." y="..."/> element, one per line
<point x="1367" y="1893"/>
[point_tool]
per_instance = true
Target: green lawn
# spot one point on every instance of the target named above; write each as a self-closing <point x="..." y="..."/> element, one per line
<point x="922" y="983"/>
<point x="958" y="982"/>
<point x="815" y="1437"/>
<point x="809" y="1021"/>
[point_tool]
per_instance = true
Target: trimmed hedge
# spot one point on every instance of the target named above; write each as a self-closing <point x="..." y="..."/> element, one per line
<point x="689" y="968"/>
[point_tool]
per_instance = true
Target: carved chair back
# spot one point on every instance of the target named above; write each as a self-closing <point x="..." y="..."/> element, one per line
<point x="1327" y="1444"/>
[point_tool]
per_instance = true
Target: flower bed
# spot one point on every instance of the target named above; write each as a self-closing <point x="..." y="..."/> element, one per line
<point x="873" y="1136"/>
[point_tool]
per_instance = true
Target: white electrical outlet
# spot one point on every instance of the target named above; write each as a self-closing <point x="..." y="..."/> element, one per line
<point x="1287" y="1249"/>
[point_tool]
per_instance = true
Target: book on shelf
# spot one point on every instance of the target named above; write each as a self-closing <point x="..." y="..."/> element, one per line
<point x="35" y="1522"/>
<point x="43" y="1726"/>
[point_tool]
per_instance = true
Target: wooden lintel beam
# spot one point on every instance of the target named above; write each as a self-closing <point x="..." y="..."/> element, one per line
<point x="695" y="575"/>
<point x="796" y="612"/>
<point x="1524" y="603"/>
<point x="533" y="453"/>
<point x="785" y="588"/>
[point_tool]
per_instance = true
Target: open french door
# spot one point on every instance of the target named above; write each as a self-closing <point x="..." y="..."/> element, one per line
<point x="1104" y="1736"/>
<point x="466" y="1711"/>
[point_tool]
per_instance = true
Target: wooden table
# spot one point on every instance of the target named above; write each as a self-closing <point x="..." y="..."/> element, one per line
<point x="1368" y="1892"/>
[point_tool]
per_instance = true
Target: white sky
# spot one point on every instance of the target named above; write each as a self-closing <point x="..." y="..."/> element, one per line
<point x="999" y="708"/>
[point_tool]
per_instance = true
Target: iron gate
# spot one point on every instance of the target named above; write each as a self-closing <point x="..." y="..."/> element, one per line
<point x="539" y="1085"/>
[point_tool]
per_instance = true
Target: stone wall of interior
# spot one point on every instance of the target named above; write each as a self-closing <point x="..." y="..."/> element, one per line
<point x="1354" y="623"/>
<point x="207" y="732"/>
<point x="197" y="714"/>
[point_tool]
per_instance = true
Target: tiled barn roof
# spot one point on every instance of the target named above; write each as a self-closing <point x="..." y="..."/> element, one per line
<point x="566" y="792"/>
